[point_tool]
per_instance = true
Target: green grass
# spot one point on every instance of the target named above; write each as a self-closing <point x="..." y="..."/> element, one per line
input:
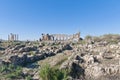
<point x="61" y="61"/>
<point x="28" y="78"/>
<point x="32" y="53"/>
<point x="10" y="71"/>
<point x="52" y="73"/>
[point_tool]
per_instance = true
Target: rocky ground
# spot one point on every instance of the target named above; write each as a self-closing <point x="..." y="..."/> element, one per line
<point x="94" y="58"/>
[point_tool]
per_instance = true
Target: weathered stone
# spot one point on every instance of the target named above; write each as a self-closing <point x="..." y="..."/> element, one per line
<point x="89" y="59"/>
<point x="2" y="48"/>
<point x="67" y="47"/>
<point x="80" y="60"/>
<point x="17" y="47"/>
<point x="16" y="60"/>
<point x="94" y="71"/>
<point x="27" y="49"/>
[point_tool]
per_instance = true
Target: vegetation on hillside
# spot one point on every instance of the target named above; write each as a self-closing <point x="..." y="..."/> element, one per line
<point x="52" y="73"/>
<point x="10" y="72"/>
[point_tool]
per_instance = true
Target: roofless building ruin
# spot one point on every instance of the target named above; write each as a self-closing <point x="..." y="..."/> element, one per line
<point x="60" y="37"/>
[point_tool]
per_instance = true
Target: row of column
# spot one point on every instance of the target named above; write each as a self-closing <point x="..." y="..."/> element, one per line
<point x="13" y="37"/>
<point x="66" y="37"/>
<point x="61" y="38"/>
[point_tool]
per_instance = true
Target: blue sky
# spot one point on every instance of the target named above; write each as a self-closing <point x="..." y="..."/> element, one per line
<point x="30" y="18"/>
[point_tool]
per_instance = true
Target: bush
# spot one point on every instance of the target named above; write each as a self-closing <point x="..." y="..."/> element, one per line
<point x="97" y="39"/>
<point x="10" y="71"/>
<point x="32" y="53"/>
<point x="82" y="42"/>
<point x="88" y="37"/>
<point x="111" y="38"/>
<point x="28" y="78"/>
<point x="49" y="73"/>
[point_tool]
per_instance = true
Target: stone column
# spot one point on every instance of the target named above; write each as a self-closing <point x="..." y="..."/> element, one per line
<point x="63" y="38"/>
<point x="8" y="37"/>
<point x="13" y="37"/>
<point x="57" y="37"/>
<point x="53" y="38"/>
<point x="17" y="37"/>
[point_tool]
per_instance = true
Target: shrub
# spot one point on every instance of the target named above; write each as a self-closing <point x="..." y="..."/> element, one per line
<point x="88" y="37"/>
<point x="82" y="42"/>
<point x="28" y="78"/>
<point x="50" y="73"/>
<point x="10" y="71"/>
<point x="32" y="53"/>
<point x="97" y="39"/>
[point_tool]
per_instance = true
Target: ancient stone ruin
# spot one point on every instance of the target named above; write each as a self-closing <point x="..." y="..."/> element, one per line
<point x="13" y="37"/>
<point x="60" y="37"/>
